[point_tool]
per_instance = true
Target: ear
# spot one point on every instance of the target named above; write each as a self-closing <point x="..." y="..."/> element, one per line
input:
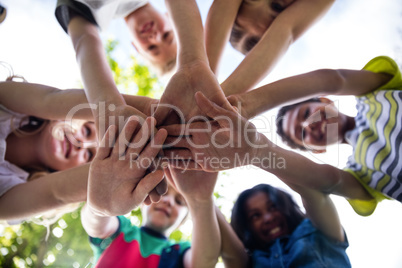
<point x="132" y="43"/>
<point x="325" y="100"/>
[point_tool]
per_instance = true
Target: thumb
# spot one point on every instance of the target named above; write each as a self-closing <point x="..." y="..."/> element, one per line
<point x="213" y="110"/>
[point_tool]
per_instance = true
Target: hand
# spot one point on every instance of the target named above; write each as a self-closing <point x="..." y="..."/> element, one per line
<point x="141" y="103"/>
<point x="224" y="143"/>
<point x="119" y="177"/>
<point x="196" y="186"/>
<point x="179" y="93"/>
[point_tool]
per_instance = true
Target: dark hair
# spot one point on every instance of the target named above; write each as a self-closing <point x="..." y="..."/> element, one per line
<point x="279" y="123"/>
<point x="283" y="202"/>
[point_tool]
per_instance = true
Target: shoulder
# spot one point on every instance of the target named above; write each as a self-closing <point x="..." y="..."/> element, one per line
<point x="384" y="64"/>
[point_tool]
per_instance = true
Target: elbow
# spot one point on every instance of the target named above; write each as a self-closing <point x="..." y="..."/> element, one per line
<point x="334" y="81"/>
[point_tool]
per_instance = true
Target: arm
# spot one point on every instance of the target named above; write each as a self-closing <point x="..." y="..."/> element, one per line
<point x="244" y="142"/>
<point x="96" y="225"/>
<point x="53" y="103"/>
<point x="45" y="193"/>
<point x="221" y="17"/>
<point x="304" y="86"/>
<point x="232" y="251"/>
<point x="96" y="74"/>
<point x="197" y="188"/>
<point x="193" y="72"/>
<point x="286" y="28"/>
<point x="321" y="211"/>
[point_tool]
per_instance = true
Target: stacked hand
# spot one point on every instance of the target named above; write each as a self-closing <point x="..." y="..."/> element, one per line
<point x="121" y="174"/>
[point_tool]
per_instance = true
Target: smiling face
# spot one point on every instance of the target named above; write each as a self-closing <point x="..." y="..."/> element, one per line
<point x="314" y="125"/>
<point x="62" y="147"/>
<point x="153" y="35"/>
<point x="167" y="214"/>
<point x="265" y="221"/>
<point x="253" y="20"/>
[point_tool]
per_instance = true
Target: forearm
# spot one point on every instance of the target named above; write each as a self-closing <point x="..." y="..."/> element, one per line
<point x="220" y="19"/>
<point x="91" y="58"/>
<point x="44" y="101"/>
<point x="206" y="242"/>
<point x="98" y="226"/>
<point x="296" y="169"/>
<point x="45" y="193"/>
<point x="233" y="252"/>
<point x="286" y="28"/>
<point x="189" y="30"/>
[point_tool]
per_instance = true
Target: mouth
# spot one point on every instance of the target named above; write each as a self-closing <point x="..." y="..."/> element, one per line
<point x="147" y="27"/>
<point x="163" y="211"/>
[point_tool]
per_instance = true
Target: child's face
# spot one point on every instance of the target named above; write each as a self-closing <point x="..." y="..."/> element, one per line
<point x="253" y="19"/>
<point x="62" y="146"/>
<point x="167" y="214"/>
<point x="153" y="35"/>
<point x="265" y="221"/>
<point x="314" y="125"/>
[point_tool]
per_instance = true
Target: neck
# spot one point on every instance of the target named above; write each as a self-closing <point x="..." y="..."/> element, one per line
<point x="21" y="150"/>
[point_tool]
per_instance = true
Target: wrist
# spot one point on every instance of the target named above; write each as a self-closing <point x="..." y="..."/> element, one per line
<point x="200" y="202"/>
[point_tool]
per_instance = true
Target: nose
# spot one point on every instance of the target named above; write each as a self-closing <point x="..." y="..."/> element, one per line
<point x="154" y="36"/>
<point x="268" y="217"/>
<point x="167" y="199"/>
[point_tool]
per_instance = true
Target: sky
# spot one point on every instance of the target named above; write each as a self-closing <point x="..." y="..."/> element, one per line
<point x="349" y="35"/>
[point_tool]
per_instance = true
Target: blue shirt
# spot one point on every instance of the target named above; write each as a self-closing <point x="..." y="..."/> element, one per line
<point x="306" y="247"/>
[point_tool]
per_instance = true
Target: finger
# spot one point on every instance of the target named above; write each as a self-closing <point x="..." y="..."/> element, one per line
<point x="146" y="185"/>
<point x="147" y="201"/>
<point x="178" y="153"/>
<point x="105" y="146"/>
<point x="130" y="128"/>
<point x="213" y="110"/>
<point x="176" y="129"/>
<point x="162" y="187"/>
<point x="152" y="149"/>
<point x="182" y="142"/>
<point x="140" y="140"/>
<point x="161" y="113"/>
<point x="154" y="196"/>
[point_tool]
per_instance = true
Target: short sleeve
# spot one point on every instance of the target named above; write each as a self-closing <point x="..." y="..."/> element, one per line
<point x="66" y="9"/>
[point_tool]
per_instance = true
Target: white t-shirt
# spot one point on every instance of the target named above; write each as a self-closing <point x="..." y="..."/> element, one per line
<point x="10" y="174"/>
<point x="106" y="10"/>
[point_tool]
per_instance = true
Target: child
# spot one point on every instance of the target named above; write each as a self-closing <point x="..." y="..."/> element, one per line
<point x="277" y="233"/>
<point x="270" y="26"/>
<point x="36" y="142"/>
<point x="152" y="33"/>
<point x="118" y="243"/>
<point x="373" y="172"/>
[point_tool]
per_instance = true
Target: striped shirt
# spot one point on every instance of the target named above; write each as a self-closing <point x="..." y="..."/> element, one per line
<point x="377" y="137"/>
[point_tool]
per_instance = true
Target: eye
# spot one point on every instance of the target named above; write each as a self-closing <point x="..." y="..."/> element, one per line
<point x="88" y="131"/>
<point x="180" y="201"/>
<point x="250" y="43"/>
<point x="166" y="35"/>
<point x="277" y="7"/>
<point x="306" y="113"/>
<point x="90" y="155"/>
<point x="151" y="47"/>
<point x="254" y="216"/>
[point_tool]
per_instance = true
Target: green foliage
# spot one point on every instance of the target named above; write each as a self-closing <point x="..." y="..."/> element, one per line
<point x="136" y="79"/>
